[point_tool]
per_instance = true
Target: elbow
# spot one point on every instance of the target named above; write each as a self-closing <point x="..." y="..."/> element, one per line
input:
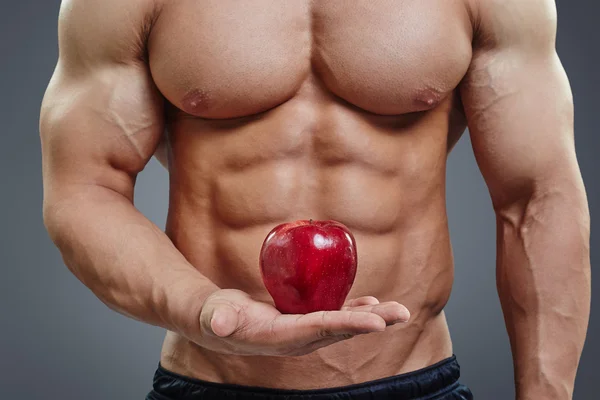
<point x="51" y="222"/>
<point x="64" y="229"/>
<point x="562" y="209"/>
<point x="56" y="222"/>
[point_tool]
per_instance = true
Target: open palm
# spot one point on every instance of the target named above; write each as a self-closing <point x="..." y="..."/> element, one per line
<point x="234" y="323"/>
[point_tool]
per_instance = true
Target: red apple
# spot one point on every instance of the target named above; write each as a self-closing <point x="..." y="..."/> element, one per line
<point x="308" y="265"/>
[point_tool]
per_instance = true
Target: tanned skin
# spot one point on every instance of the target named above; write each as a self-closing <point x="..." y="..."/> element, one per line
<point x="266" y="112"/>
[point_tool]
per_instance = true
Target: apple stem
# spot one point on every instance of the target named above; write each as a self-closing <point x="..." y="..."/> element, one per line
<point x="310" y="221"/>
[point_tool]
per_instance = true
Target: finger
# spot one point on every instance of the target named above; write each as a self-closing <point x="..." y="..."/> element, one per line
<point x="361" y="301"/>
<point x="224" y="321"/>
<point x="220" y="319"/>
<point x="390" y="311"/>
<point x="298" y="329"/>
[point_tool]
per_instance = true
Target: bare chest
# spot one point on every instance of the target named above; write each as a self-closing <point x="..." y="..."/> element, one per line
<point x="231" y="58"/>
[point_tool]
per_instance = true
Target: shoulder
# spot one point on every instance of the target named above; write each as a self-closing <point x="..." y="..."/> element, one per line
<point x="96" y="29"/>
<point x="513" y="23"/>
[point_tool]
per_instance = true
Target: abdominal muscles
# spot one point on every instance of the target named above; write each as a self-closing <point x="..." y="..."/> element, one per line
<point x="317" y="158"/>
<point x="233" y="180"/>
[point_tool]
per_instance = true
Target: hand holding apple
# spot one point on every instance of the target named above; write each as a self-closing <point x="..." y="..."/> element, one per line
<point x="308" y="267"/>
<point x="232" y="322"/>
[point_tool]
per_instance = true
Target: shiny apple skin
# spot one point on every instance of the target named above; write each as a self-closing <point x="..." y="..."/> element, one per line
<point x="308" y="265"/>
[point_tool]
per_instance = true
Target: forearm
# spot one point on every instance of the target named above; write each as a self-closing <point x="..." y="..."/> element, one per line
<point x="543" y="280"/>
<point x="127" y="262"/>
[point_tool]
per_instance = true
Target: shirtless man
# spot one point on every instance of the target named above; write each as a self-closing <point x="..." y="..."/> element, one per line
<point x="270" y="111"/>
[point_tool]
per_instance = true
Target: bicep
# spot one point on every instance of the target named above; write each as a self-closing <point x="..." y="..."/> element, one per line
<point x="520" y="114"/>
<point x="101" y="117"/>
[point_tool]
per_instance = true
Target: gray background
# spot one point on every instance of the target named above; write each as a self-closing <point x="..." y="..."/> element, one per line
<point x="58" y="342"/>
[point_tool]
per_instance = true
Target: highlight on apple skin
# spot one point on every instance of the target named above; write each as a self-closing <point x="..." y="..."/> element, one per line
<point x="308" y="265"/>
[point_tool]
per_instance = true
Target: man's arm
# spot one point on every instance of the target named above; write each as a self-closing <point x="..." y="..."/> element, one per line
<point x="520" y="113"/>
<point x="101" y="122"/>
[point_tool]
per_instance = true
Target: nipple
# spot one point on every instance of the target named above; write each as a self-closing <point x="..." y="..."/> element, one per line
<point x="196" y="101"/>
<point x="428" y="98"/>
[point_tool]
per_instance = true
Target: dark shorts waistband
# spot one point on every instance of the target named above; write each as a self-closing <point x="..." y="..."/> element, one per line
<point x="438" y="381"/>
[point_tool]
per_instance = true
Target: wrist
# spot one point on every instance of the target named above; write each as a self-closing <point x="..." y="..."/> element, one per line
<point x="181" y="305"/>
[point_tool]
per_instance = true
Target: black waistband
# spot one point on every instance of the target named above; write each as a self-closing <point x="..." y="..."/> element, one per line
<point x="437" y="378"/>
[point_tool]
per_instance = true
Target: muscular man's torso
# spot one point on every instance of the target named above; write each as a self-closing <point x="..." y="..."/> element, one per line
<point x="333" y="109"/>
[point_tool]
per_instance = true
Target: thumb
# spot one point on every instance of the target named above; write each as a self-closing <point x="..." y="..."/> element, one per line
<point x="224" y="320"/>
